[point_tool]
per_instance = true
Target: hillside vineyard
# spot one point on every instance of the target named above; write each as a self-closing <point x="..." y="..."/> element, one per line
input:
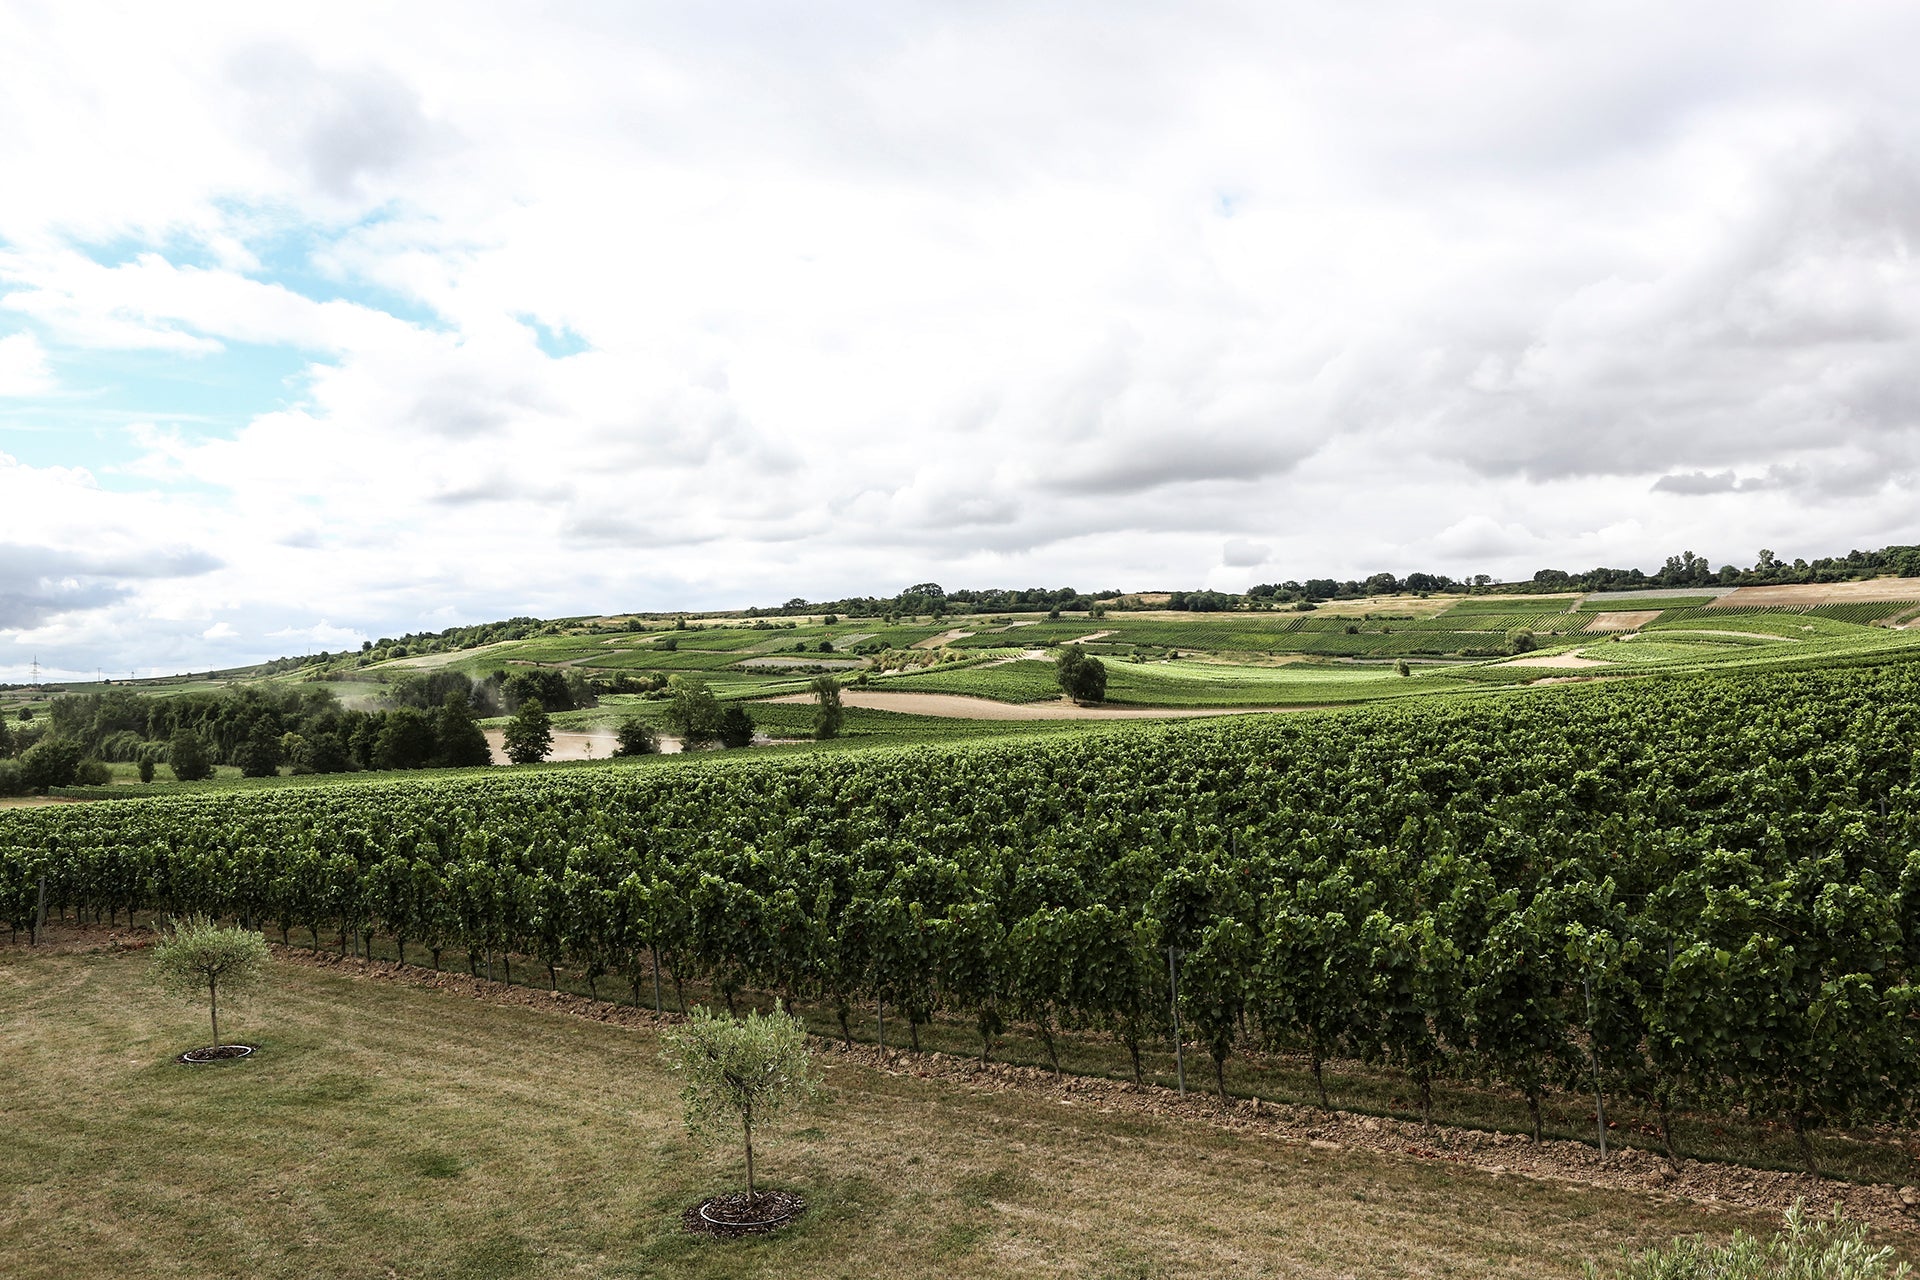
<point x="1706" y="890"/>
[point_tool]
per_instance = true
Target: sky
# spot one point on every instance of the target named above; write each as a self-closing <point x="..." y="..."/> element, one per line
<point x="325" y="323"/>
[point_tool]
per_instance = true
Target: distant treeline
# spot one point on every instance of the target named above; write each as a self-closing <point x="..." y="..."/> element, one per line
<point x="428" y="721"/>
<point x="1683" y="570"/>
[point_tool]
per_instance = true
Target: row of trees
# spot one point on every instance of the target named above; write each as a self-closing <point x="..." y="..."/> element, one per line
<point x="1697" y="893"/>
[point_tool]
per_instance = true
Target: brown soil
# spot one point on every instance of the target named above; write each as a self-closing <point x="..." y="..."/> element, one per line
<point x="1091" y="637"/>
<point x="732" y="1216"/>
<point x="958" y="706"/>
<point x="33" y="802"/>
<point x="569" y="745"/>
<point x="1622" y="621"/>
<point x="945" y="637"/>
<point x="1892" y="589"/>
<point x="1555" y="660"/>
<point x="215" y="1053"/>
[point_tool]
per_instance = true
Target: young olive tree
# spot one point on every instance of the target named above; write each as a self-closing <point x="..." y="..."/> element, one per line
<point x="738" y="1074"/>
<point x="198" y="955"/>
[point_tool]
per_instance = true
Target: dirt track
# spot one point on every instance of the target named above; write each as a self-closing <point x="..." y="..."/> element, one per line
<point x="955" y="706"/>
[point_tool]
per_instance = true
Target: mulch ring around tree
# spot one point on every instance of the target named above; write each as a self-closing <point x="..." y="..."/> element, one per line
<point x="732" y="1216"/>
<point x="214" y="1053"/>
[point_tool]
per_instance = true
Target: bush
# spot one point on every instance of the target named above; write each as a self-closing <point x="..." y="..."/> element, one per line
<point x="13" y="779"/>
<point x="146" y="769"/>
<point x="51" y="762"/>
<point x="1826" y="1249"/>
<point x="92" y="772"/>
<point x="1521" y="640"/>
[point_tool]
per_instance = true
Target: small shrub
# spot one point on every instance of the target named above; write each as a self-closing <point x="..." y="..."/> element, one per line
<point x="1804" y="1249"/>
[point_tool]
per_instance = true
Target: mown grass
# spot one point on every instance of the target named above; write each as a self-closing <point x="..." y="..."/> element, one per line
<point x="390" y="1130"/>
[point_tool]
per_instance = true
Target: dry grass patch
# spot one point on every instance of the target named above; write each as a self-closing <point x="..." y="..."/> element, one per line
<point x="395" y="1130"/>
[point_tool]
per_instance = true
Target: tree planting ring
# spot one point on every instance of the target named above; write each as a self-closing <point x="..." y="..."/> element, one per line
<point x="730" y="1215"/>
<point x="215" y="1053"/>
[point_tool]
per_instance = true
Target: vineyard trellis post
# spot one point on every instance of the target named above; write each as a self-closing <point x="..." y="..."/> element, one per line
<point x="40" y="911"/>
<point x="1173" y="994"/>
<point x="1593" y="1055"/>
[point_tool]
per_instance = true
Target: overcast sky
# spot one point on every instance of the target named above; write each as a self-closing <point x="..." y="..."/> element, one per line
<point x="328" y="322"/>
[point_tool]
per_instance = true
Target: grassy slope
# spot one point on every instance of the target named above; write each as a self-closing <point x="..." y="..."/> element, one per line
<point x="389" y="1130"/>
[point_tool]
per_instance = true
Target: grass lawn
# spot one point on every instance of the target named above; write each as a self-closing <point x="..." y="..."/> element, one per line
<point x="390" y="1130"/>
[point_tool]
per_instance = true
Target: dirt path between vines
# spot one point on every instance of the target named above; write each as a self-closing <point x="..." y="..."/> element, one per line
<point x="945" y="637"/>
<point x="959" y="706"/>
<point x="1498" y="1154"/>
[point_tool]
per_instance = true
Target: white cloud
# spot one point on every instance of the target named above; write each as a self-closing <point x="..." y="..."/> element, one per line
<point x="23" y="366"/>
<point x="1064" y="293"/>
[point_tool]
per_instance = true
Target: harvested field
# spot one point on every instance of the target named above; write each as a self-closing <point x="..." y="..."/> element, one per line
<point x="955" y="706"/>
<point x="1554" y="660"/>
<point x="945" y="637"/>
<point x="1889" y="589"/>
<point x="1622" y="621"/>
<point x="569" y="745"/>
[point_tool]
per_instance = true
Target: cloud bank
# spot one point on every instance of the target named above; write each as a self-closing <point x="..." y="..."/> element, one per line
<point x="356" y="321"/>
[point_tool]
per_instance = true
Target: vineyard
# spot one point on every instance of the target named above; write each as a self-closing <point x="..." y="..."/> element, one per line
<point x="1694" y="892"/>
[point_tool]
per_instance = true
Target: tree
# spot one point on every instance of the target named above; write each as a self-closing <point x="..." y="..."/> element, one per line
<point x="259" y="755"/>
<point x="188" y="758"/>
<point x="740" y="1073"/>
<point x="405" y="740"/>
<point x="828" y="715"/>
<point x="6" y="740"/>
<point x="461" y="743"/>
<point x="1083" y="676"/>
<point x="529" y="736"/>
<point x="1402" y="668"/>
<point x="1520" y="640"/>
<point x="198" y="955"/>
<point x="635" y="737"/>
<point x="736" y="727"/>
<point x="693" y="713"/>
